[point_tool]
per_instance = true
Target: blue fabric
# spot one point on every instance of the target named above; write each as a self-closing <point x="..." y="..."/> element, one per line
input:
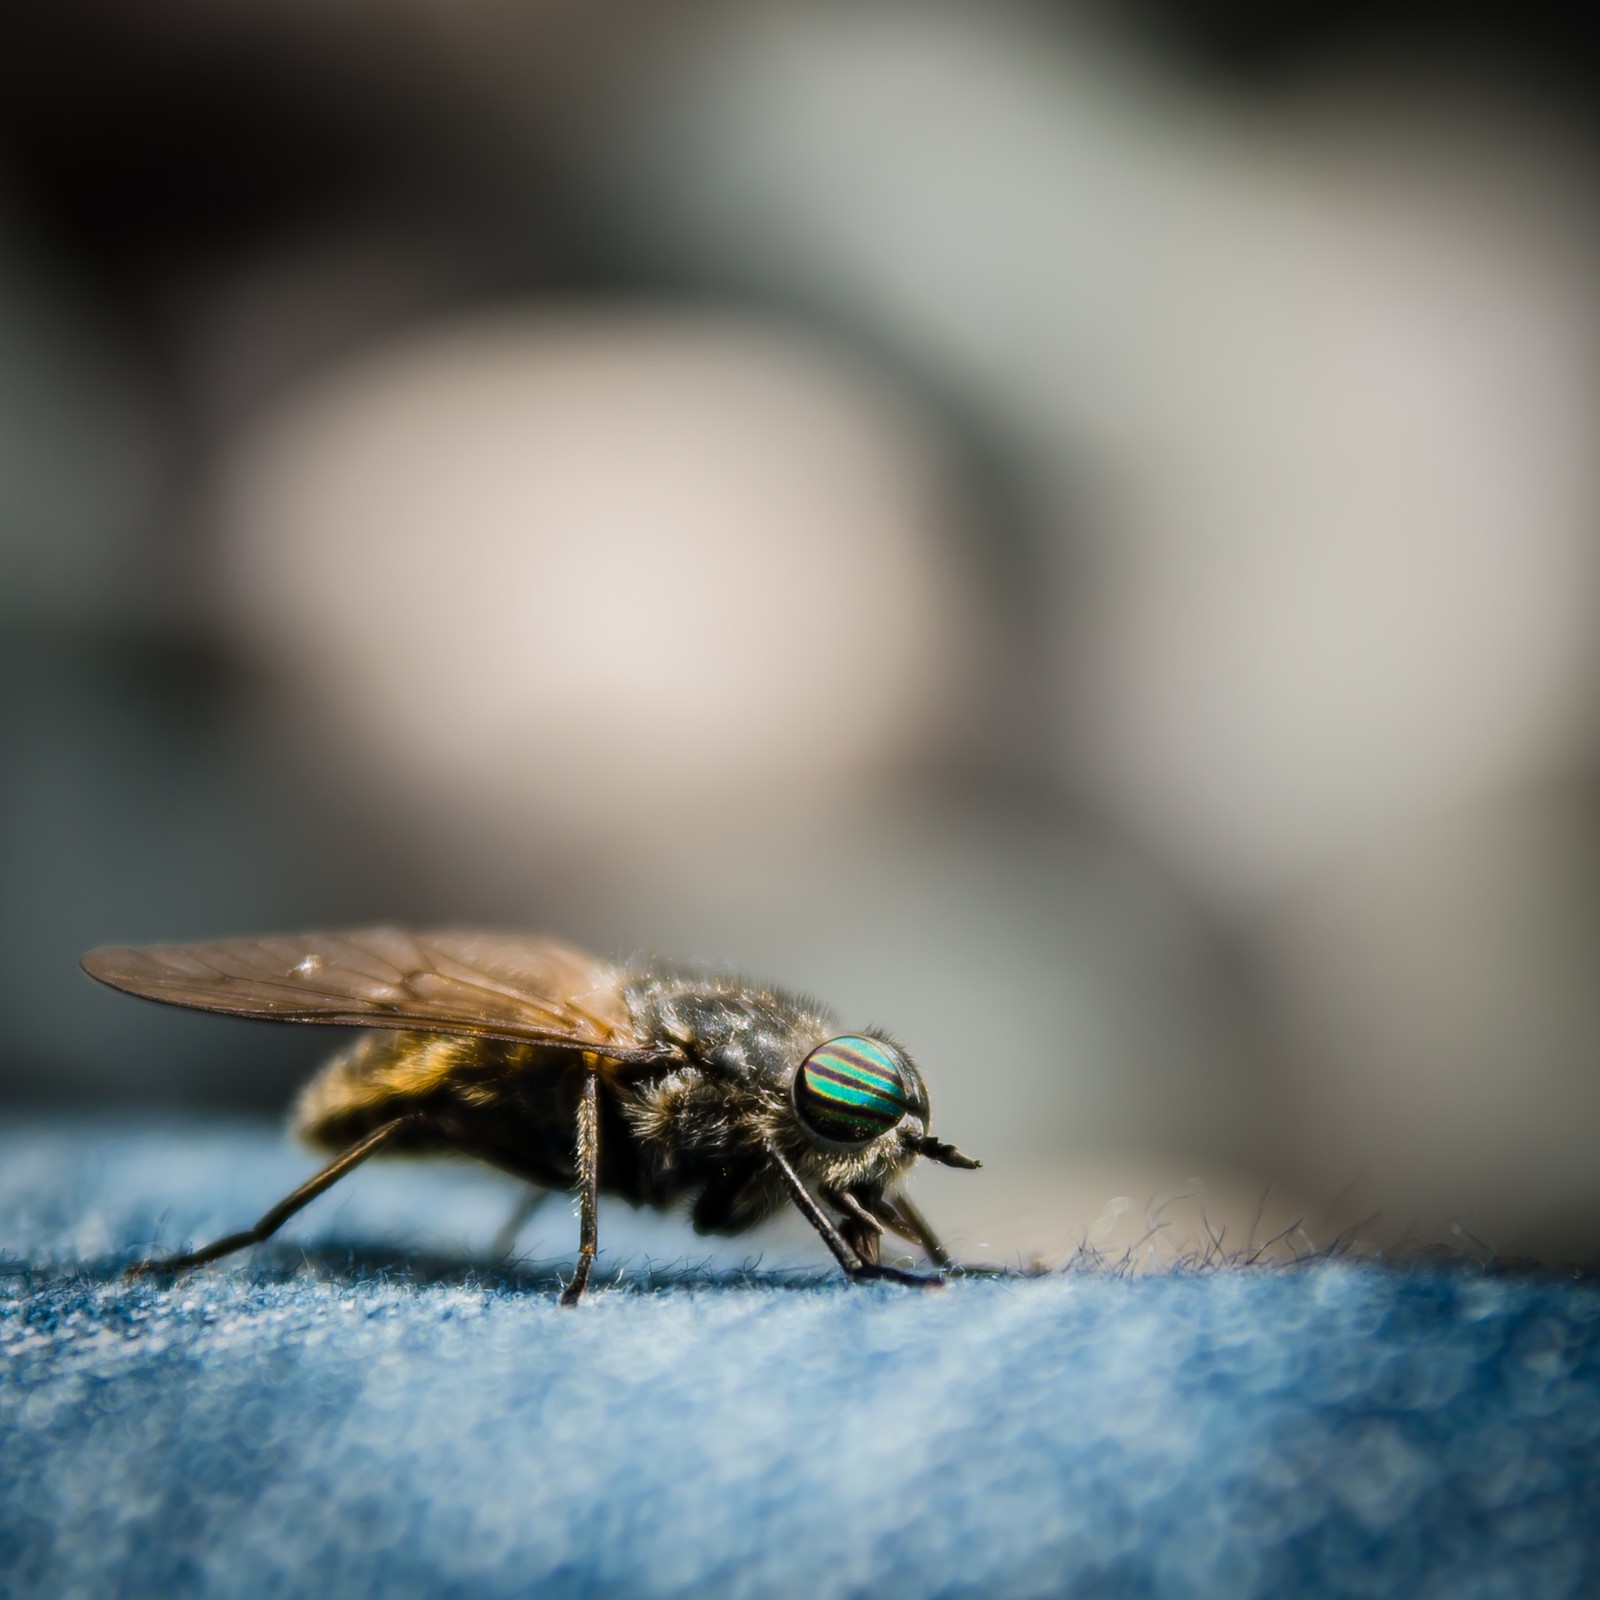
<point x="321" y="1418"/>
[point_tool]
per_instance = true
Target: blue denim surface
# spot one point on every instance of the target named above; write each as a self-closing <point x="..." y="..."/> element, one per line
<point x="323" y="1419"/>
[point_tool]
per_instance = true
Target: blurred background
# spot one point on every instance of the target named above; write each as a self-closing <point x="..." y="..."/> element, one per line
<point x="1068" y="530"/>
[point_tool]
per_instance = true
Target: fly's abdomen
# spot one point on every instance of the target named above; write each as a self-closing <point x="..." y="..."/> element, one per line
<point x="380" y="1077"/>
<point x="512" y="1105"/>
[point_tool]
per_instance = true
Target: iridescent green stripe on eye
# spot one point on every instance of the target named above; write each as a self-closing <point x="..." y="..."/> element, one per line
<point x="850" y="1090"/>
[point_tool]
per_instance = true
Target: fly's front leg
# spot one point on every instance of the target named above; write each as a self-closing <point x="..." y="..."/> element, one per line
<point x="899" y="1214"/>
<point x="843" y="1252"/>
<point x="861" y="1228"/>
<point x="588" y="1165"/>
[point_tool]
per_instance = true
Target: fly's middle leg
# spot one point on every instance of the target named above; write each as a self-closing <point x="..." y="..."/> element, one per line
<point x="588" y="1166"/>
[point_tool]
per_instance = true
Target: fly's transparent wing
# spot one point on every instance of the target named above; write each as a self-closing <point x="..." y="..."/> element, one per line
<point x="458" y="981"/>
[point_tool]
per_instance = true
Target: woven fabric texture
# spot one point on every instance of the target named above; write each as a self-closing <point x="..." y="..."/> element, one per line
<point x="354" y="1411"/>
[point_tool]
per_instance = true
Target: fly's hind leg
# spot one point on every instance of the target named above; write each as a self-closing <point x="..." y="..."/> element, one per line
<point x="588" y="1165"/>
<point x="308" y="1191"/>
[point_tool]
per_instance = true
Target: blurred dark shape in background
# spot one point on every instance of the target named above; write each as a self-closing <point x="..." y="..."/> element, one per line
<point x="1068" y="531"/>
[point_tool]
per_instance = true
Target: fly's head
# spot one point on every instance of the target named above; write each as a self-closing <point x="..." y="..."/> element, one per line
<point x="862" y="1108"/>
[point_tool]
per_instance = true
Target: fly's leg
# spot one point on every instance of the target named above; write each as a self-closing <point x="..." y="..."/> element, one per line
<point x="910" y="1224"/>
<point x="866" y="1240"/>
<point x="286" y="1208"/>
<point x="530" y="1200"/>
<point x="588" y="1164"/>
<point x="848" y="1258"/>
<point x="861" y="1228"/>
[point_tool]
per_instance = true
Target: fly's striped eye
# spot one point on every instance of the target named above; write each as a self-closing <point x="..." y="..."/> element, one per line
<point x="850" y="1090"/>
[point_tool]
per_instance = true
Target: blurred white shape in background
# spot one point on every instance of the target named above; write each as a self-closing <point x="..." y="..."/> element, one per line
<point x="618" y="575"/>
<point x="675" y="603"/>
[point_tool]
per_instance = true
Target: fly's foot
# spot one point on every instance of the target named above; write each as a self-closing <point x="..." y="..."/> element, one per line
<point x="869" y="1271"/>
<point x="154" y="1268"/>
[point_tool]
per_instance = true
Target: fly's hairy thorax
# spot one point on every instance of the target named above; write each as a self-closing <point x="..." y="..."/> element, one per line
<point x="702" y="1128"/>
<point x="711" y="1126"/>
